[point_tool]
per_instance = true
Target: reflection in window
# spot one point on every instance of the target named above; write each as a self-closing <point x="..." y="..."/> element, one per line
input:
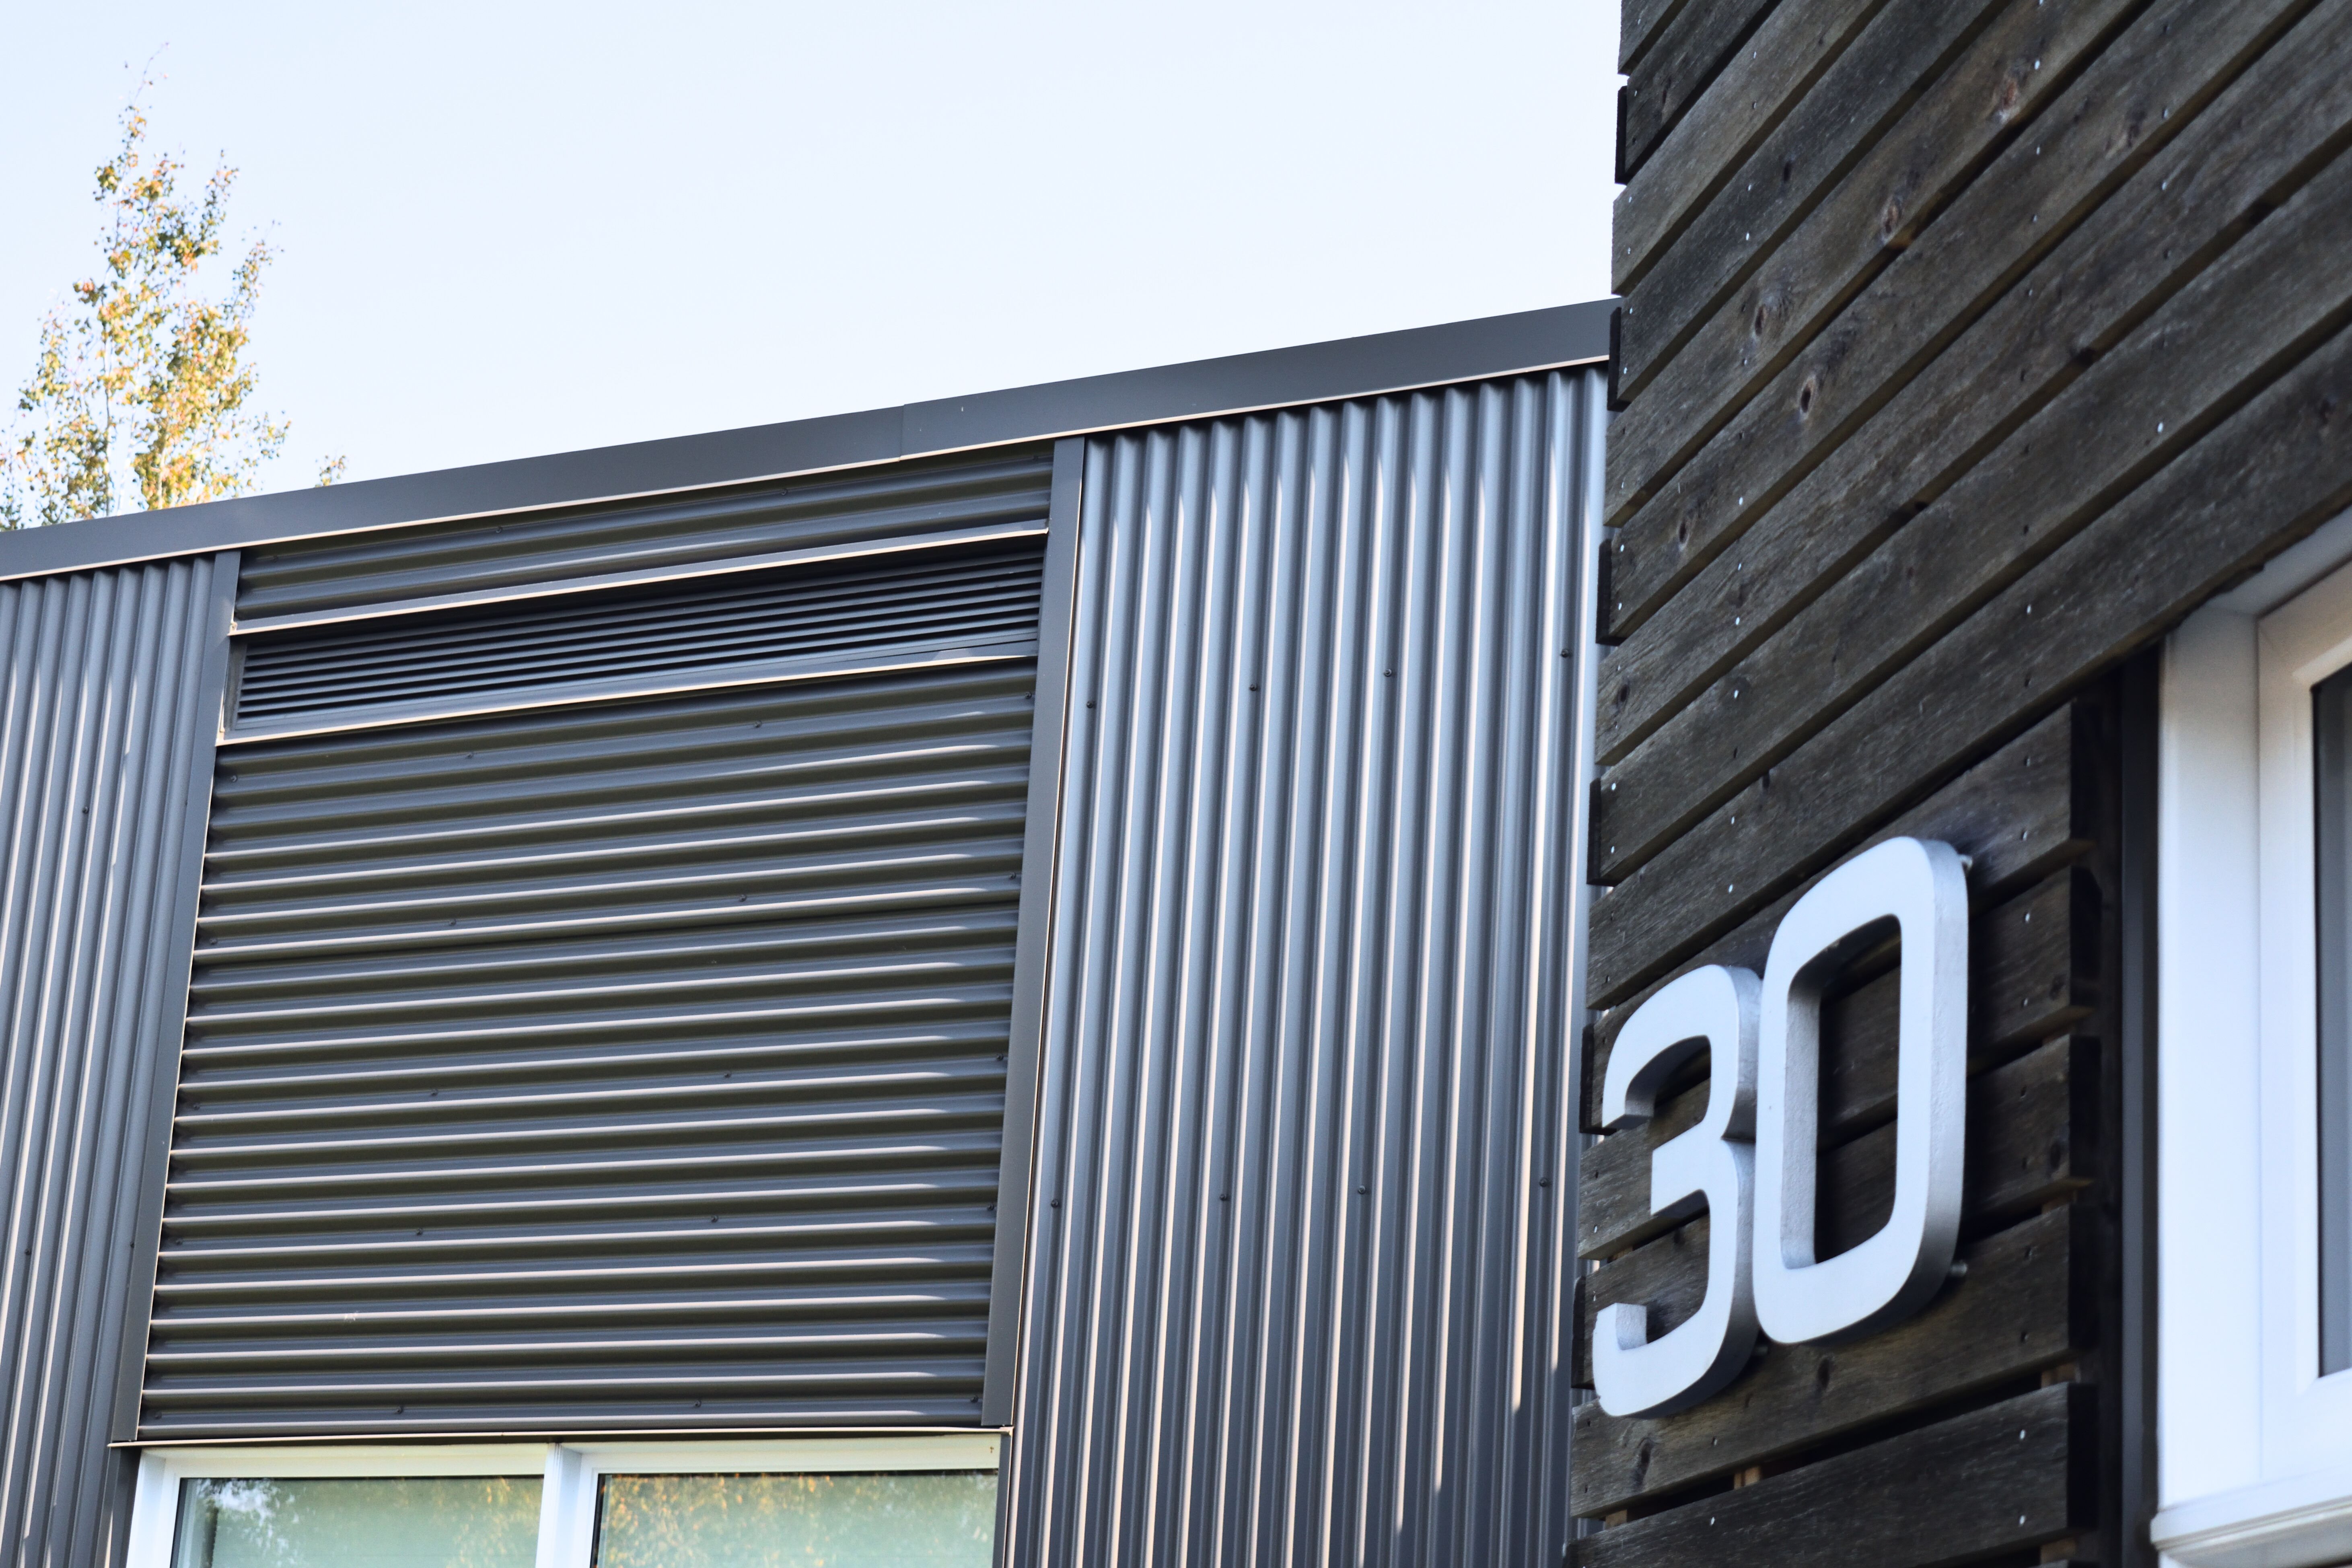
<point x="410" y="1521"/>
<point x="887" y="1520"/>
<point x="2332" y="710"/>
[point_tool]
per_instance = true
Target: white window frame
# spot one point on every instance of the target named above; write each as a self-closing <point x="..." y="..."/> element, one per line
<point x="2254" y="1448"/>
<point x="568" y="1472"/>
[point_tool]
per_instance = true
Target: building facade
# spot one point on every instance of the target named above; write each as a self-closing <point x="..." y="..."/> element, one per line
<point x="1714" y="927"/>
<point x="988" y="981"/>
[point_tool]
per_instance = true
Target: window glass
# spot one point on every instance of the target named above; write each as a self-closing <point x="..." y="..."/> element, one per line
<point x="889" y="1521"/>
<point x="411" y="1521"/>
<point x="2332" y="757"/>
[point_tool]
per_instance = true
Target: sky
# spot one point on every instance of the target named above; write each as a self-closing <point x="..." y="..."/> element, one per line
<point x="504" y="229"/>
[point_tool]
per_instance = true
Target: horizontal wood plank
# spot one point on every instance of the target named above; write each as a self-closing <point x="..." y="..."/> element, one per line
<point x="2224" y="172"/>
<point x="2014" y="1312"/>
<point x="2020" y="815"/>
<point x="1861" y="95"/>
<point x="2139" y="94"/>
<point x="2101" y="435"/>
<point x="1691" y="51"/>
<point x="2014" y="813"/>
<point x="2003" y="1478"/>
<point x="2006" y="76"/>
<point x="2262" y="478"/>
<point x="1639" y="23"/>
<point x="1778" y="65"/>
<point x="2030" y="961"/>
<point x="2024" y="1123"/>
<point x="1894" y="196"/>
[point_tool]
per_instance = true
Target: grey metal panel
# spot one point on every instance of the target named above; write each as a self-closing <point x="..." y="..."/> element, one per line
<point x="111" y="704"/>
<point x="632" y="1067"/>
<point x="1297" y="1288"/>
<point x="1380" y="361"/>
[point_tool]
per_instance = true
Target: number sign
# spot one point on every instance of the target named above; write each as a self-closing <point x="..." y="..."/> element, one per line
<point x="1751" y="1159"/>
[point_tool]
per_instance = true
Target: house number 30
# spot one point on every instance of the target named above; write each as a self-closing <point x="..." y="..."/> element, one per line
<point x="1751" y="1159"/>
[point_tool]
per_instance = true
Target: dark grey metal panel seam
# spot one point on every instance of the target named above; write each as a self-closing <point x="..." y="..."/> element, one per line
<point x="1352" y="367"/>
<point x="1033" y="941"/>
<point x="167" y="1002"/>
<point x="99" y="723"/>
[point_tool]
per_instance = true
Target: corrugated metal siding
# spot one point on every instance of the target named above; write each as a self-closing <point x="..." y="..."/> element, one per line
<point x="107" y="719"/>
<point x="522" y="552"/>
<point x="618" y="1067"/>
<point x="1297" y="1289"/>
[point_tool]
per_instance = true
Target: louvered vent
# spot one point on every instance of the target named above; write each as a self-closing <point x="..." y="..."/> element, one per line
<point x="627" y="1067"/>
<point x="341" y="573"/>
<point x="909" y="602"/>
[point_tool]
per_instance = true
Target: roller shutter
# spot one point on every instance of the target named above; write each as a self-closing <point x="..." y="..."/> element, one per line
<point x="605" y="1063"/>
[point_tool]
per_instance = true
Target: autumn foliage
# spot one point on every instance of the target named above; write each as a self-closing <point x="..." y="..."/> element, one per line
<point x="142" y="394"/>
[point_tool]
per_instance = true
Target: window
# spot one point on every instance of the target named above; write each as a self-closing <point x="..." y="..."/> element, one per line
<point x="918" y="1501"/>
<point x="2254" y="1020"/>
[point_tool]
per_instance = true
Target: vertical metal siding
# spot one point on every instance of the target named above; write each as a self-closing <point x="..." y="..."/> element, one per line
<point x="107" y="721"/>
<point x="1297" y="1292"/>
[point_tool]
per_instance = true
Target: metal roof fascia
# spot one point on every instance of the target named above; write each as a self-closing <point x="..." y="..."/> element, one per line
<point x="1312" y="372"/>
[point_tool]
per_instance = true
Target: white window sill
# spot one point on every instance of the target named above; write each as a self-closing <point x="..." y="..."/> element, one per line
<point x="2300" y="1522"/>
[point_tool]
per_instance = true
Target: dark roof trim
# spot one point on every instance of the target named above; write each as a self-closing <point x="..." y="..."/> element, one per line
<point x="1316" y="372"/>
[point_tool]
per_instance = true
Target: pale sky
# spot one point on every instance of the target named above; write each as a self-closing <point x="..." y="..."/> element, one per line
<point x="508" y="228"/>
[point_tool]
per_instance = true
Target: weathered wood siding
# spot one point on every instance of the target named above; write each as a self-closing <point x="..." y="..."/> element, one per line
<point x="1966" y="346"/>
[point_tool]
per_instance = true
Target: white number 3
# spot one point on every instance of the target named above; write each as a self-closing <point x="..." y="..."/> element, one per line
<point x="1712" y="1010"/>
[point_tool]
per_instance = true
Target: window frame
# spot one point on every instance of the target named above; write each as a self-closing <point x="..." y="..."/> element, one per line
<point x="2254" y="1445"/>
<point x="568" y="1472"/>
<point x="2306" y="1414"/>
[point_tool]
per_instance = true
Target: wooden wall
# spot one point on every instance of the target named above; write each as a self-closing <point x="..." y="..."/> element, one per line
<point x="1966" y="346"/>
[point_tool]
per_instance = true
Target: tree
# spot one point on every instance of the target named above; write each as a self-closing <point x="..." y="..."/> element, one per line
<point x="141" y="389"/>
